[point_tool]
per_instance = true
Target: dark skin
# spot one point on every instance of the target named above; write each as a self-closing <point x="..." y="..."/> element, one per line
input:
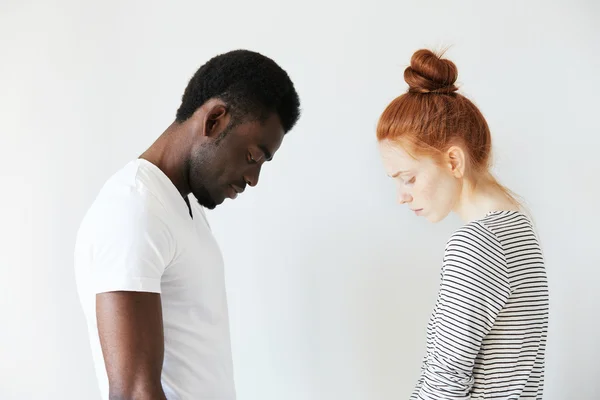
<point x="198" y="160"/>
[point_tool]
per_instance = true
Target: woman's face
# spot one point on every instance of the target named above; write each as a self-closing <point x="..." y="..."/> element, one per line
<point x="430" y="190"/>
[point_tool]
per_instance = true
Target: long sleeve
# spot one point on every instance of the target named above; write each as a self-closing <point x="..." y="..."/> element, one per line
<point x="474" y="288"/>
<point x="415" y="394"/>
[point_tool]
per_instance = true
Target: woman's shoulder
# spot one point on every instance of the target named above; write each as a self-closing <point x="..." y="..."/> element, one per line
<point x="475" y="250"/>
<point x="491" y="236"/>
<point x="494" y="226"/>
<point x="475" y="237"/>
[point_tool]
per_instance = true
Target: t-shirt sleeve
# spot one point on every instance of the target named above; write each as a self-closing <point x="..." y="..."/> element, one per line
<point x="474" y="288"/>
<point x="131" y="245"/>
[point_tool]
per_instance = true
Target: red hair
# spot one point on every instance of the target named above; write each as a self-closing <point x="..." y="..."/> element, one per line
<point x="431" y="117"/>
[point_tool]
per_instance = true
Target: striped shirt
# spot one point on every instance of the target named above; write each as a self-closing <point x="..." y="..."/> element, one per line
<point x="486" y="338"/>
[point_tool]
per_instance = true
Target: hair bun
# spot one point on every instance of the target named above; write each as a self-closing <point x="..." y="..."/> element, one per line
<point x="430" y="73"/>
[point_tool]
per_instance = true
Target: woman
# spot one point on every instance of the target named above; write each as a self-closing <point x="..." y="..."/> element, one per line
<point x="486" y="338"/>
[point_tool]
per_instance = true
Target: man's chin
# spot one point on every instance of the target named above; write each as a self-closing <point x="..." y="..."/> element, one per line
<point x="210" y="204"/>
<point x="206" y="201"/>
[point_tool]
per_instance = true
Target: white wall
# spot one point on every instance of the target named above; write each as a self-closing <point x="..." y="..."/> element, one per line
<point x="330" y="283"/>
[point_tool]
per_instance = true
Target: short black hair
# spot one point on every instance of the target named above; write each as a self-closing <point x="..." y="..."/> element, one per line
<point x="250" y="84"/>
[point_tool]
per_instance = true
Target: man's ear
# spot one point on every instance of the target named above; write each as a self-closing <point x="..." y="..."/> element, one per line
<point x="213" y="117"/>
<point x="215" y="121"/>
<point x="456" y="161"/>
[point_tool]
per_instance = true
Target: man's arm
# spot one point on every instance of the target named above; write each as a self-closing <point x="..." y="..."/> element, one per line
<point x="131" y="334"/>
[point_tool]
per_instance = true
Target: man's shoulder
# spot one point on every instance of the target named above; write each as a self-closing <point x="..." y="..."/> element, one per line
<point x="133" y="187"/>
<point x="128" y="196"/>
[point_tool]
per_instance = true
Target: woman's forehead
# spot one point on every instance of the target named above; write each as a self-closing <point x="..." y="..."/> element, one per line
<point x="395" y="153"/>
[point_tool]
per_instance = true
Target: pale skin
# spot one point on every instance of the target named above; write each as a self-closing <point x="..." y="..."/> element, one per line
<point x="434" y="189"/>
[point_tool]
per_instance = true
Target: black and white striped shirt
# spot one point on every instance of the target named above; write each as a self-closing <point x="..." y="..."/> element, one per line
<point x="486" y="338"/>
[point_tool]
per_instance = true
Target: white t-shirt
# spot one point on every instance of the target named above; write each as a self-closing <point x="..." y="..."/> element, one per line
<point x="139" y="236"/>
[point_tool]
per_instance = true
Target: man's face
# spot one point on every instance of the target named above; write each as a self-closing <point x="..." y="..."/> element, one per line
<point x="226" y="162"/>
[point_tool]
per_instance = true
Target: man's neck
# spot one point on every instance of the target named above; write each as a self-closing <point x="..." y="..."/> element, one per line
<point x="168" y="154"/>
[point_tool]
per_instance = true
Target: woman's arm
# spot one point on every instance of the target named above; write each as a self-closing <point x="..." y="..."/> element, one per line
<point x="474" y="288"/>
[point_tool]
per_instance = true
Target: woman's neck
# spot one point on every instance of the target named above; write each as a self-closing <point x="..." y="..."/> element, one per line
<point x="478" y="200"/>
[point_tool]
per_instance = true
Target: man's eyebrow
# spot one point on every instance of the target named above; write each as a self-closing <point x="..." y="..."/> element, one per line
<point x="268" y="155"/>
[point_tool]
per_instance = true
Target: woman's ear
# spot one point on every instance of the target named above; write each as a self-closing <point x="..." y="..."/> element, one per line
<point x="456" y="161"/>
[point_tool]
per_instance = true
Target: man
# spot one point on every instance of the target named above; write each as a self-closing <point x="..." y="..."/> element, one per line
<point x="149" y="272"/>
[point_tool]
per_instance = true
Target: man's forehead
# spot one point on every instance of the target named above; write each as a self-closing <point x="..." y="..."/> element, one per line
<point x="270" y="131"/>
<point x="267" y="134"/>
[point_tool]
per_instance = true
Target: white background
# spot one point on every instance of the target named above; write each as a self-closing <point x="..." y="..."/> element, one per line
<point x="330" y="282"/>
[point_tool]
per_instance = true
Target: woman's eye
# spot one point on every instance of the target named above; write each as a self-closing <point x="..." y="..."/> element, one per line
<point x="251" y="159"/>
<point x="410" y="181"/>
